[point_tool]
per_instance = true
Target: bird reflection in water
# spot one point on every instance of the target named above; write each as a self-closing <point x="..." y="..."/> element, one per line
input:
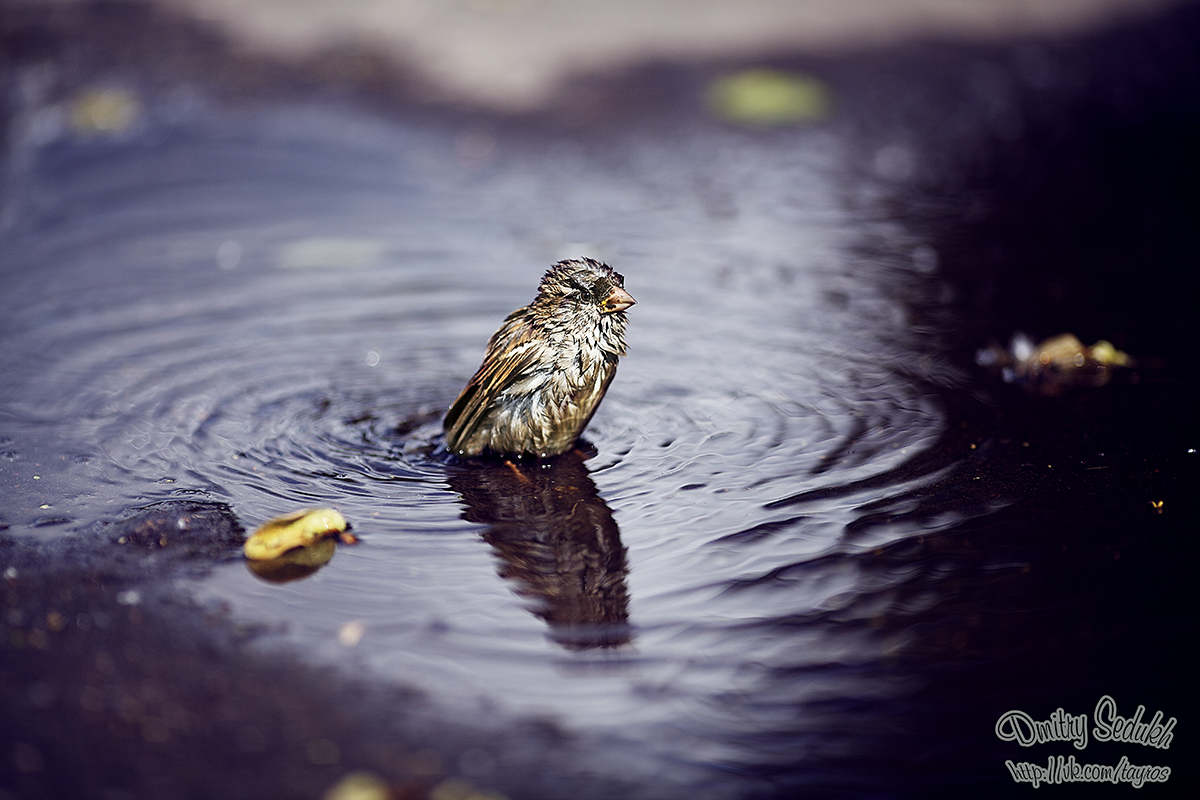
<point x="557" y="540"/>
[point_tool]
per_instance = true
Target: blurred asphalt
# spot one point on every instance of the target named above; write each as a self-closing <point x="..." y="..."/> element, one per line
<point x="515" y="54"/>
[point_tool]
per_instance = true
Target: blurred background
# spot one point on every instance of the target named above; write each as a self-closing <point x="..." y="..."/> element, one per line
<point x="516" y="54"/>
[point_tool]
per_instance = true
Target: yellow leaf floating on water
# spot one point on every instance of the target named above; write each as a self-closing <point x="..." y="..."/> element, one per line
<point x="298" y="529"/>
<point x="765" y="98"/>
<point x="1056" y="365"/>
<point x="297" y="563"/>
<point x="1103" y="352"/>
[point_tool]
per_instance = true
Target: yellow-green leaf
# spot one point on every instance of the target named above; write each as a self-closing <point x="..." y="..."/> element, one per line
<point x="298" y="529"/>
<point x="765" y="98"/>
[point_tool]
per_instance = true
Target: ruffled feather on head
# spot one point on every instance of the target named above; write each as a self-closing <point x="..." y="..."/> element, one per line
<point x="585" y="280"/>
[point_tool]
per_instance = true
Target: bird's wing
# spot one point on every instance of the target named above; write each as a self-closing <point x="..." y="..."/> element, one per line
<point x="510" y="353"/>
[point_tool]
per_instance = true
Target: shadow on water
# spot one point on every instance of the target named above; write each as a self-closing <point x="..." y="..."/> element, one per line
<point x="816" y="551"/>
<point x="557" y="539"/>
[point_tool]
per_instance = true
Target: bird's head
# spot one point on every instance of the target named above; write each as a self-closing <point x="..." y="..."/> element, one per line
<point x="585" y="281"/>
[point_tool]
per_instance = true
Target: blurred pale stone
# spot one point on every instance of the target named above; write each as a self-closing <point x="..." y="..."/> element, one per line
<point x="516" y="53"/>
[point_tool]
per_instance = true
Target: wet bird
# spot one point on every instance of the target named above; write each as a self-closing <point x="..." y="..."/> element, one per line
<point x="547" y="368"/>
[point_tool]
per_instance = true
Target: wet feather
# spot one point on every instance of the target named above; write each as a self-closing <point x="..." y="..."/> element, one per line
<point x="547" y="368"/>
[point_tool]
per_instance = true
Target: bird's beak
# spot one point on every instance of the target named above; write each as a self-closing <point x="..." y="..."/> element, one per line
<point x="618" y="300"/>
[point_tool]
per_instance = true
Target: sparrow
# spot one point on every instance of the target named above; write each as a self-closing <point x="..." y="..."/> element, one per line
<point x="547" y="368"/>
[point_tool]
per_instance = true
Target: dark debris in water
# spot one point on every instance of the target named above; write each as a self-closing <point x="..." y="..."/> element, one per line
<point x="194" y="529"/>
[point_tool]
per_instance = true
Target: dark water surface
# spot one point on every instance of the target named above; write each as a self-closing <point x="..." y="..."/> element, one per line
<point x="813" y="550"/>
